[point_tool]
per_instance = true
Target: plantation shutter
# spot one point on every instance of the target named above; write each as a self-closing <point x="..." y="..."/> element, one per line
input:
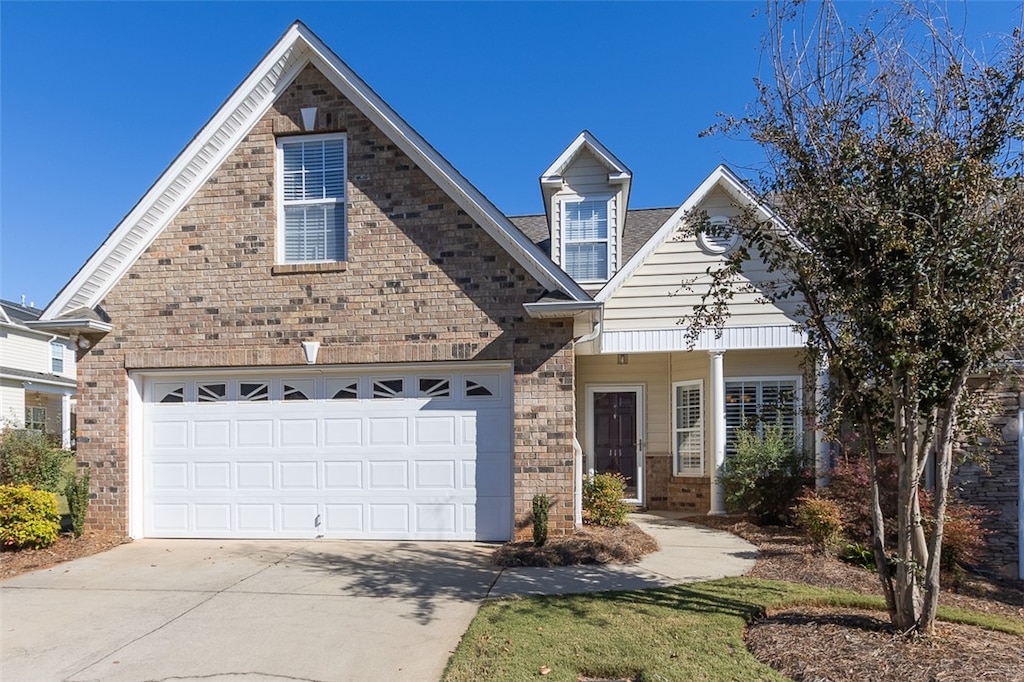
<point x="752" y="403"/>
<point x="689" y="428"/>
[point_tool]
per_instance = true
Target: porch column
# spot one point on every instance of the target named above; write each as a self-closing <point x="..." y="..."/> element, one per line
<point x="822" y="451"/>
<point x="65" y="420"/>
<point x="717" y="428"/>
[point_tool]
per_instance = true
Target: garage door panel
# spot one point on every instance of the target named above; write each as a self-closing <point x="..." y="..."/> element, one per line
<point x="298" y="433"/>
<point x="435" y="474"/>
<point x="343" y="476"/>
<point x="299" y="476"/>
<point x="389" y="475"/>
<point x="310" y="465"/>
<point x="255" y="475"/>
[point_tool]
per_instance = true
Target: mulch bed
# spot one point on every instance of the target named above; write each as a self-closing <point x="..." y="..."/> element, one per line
<point x="66" y="548"/>
<point x="829" y="643"/>
<point x="589" y="545"/>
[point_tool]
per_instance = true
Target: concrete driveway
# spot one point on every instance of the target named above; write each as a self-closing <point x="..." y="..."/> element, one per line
<point x="189" y="609"/>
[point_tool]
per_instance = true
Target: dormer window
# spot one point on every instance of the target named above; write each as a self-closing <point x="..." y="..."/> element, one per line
<point x="585" y="239"/>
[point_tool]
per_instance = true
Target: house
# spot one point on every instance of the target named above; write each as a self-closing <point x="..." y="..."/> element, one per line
<point x="313" y="325"/>
<point x="37" y="375"/>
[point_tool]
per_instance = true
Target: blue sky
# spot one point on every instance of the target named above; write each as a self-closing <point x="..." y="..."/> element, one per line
<point x="96" y="99"/>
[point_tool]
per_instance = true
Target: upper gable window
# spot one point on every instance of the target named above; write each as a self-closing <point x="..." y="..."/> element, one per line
<point x="585" y="239"/>
<point x="312" y="225"/>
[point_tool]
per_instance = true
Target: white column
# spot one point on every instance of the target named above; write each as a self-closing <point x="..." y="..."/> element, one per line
<point x="717" y="400"/>
<point x="65" y="420"/>
<point x="822" y="450"/>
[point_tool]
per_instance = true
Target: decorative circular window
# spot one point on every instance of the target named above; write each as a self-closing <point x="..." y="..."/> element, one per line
<point x="720" y="237"/>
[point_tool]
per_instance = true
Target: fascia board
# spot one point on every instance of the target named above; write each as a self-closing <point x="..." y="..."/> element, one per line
<point x="720" y="176"/>
<point x="469" y="198"/>
<point x="62" y="325"/>
<point x="560" y="308"/>
<point x="229" y="125"/>
<point x="586" y="139"/>
<point x="183" y="178"/>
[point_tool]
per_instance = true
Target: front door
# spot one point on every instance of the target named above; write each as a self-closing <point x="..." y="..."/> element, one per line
<point x="616" y="437"/>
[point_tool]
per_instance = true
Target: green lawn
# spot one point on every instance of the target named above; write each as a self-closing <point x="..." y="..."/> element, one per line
<point x="688" y="632"/>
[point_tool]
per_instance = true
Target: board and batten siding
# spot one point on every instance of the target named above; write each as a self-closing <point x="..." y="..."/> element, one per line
<point x="586" y="177"/>
<point x="655" y="297"/>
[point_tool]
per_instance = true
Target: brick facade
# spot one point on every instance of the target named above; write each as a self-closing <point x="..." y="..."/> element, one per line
<point x="422" y="282"/>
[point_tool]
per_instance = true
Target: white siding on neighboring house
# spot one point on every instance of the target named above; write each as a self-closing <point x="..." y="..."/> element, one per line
<point x="12" y="404"/>
<point x="27" y="351"/>
<point x="654" y="296"/>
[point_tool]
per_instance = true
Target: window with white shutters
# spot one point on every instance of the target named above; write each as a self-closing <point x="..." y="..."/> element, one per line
<point x="585" y="239"/>
<point x="688" y="425"/>
<point x="312" y="197"/>
<point x="752" y="403"/>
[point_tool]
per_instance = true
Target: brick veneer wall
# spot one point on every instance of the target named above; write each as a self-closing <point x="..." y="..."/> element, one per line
<point x="996" y="486"/>
<point x="422" y="283"/>
<point x="675" y="493"/>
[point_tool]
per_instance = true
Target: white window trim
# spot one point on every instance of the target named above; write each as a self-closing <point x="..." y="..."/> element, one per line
<point x="731" y="238"/>
<point x="676" y="469"/>
<point x="32" y="423"/>
<point x="563" y="241"/>
<point x="57" y="354"/>
<point x="798" y="407"/>
<point x="279" y="193"/>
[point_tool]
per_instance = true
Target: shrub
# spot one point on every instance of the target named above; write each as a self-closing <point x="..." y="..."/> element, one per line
<point x="28" y="517"/>
<point x="859" y="555"/>
<point x="964" y="536"/>
<point x="765" y="474"/>
<point x="32" y="458"/>
<point x="602" y="500"/>
<point x="541" y="504"/>
<point x="850" y="487"/>
<point x="77" y="493"/>
<point x="821" y="519"/>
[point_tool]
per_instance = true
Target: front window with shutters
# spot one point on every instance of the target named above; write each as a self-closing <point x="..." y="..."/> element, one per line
<point x="752" y="403"/>
<point x="688" y="424"/>
<point x="312" y="198"/>
<point x="585" y="239"/>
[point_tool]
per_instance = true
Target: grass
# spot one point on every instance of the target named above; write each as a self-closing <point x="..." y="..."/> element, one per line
<point x="687" y="632"/>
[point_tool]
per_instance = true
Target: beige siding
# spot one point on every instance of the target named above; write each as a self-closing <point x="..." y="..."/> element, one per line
<point x="657" y="372"/>
<point x="655" y="297"/>
<point x="587" y="177"/>
<point x="12" y="405"/>
<point x="25" y="351"/>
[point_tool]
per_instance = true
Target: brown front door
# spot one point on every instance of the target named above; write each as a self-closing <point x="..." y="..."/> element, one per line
<point x="616" y="435"/>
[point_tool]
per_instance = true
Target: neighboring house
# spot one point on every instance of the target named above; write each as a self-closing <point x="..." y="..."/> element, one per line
<point x="312" y="324"/>
<point x="37" y="375"/>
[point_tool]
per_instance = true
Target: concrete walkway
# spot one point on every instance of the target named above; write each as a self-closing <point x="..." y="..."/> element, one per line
<point x="689" y="553"/>
<point x="315" y="611"/>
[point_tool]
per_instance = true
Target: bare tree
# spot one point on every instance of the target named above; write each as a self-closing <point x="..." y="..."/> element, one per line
<point x="894" y="168"/>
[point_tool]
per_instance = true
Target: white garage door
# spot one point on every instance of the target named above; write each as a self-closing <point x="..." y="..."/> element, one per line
<point x="411" y="454"/>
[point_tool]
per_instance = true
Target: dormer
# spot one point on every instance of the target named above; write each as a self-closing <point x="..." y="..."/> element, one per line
<point x="586" y="192"/>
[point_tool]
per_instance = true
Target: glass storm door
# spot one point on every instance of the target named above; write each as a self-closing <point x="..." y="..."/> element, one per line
<point x="616" y="436"/>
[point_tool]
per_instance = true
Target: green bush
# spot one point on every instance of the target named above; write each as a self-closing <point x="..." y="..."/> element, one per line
<point x="821" y="519"/>
<point x="765" y="475"/>
<point x="859" y="555"/>
<point x="32" y="458"/>
<point x="28" y="517"/>
<point x="602" y="500"/>
<point x="541" y="505"/>
<point x="77" y="494"/>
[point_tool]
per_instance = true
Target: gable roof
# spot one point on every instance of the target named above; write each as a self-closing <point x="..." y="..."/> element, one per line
<point x="722" y="177"/>
<point x="16" y="313"/>
<point x="618" y="173"/>
<point x="188" y="172"/>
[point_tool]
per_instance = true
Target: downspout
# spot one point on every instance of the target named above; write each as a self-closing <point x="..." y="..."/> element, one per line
<point x="577" y="449"/>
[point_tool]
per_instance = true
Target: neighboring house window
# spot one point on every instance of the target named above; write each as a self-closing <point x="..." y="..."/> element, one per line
<point x="585" y="239"/>
<point x="688" y="425"/>
<point x="751" y="403"/>
<point x="35" y="418"/>
<point x="57" y="357"/>
<point x="313" y="198"/>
